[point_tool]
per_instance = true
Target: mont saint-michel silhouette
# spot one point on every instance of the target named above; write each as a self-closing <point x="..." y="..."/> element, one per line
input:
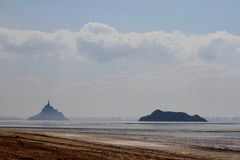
<point x="48" y="113"/>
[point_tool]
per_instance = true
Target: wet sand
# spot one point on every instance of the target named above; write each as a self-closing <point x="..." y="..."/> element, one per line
<point x="32" y="144"/>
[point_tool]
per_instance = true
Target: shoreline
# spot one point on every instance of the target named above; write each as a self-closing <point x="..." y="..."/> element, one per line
<point x="45" y="143"/>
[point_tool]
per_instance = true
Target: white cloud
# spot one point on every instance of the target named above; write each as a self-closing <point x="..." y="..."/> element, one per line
<point x="133" y="73"/>
<point x="103" y="43"/>
<point x="98" y="28"/>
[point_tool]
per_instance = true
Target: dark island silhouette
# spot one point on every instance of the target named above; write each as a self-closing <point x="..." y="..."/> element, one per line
<point x="159" y="115"/>
<point x="49" y="113"/>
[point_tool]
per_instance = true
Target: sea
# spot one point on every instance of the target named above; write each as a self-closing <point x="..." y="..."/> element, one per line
<point x="168" y="129"/>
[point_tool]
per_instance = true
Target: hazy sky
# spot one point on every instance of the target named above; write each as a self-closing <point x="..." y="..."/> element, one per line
<point x="120" y="58"/>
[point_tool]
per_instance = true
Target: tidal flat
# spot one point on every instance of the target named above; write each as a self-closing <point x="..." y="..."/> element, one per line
<point x="44" y="143"/>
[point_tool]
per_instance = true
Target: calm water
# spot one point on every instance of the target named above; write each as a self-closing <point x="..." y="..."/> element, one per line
<point x="166" y="129"/>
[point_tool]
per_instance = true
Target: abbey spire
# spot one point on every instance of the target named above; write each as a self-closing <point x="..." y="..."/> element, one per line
<point x="48" y="103"/>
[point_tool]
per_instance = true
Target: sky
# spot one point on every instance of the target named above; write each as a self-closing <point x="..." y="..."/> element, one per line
<point x="124" y="58"/>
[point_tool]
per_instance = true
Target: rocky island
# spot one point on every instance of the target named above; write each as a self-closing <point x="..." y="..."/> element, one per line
<point x="48" y="113"/>
<point x="159" y="115"/>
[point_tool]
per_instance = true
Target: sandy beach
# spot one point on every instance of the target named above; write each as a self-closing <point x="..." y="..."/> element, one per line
<point x="45" y="144"/>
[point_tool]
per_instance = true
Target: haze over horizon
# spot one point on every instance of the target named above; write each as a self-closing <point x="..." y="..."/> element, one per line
<point x="120" y="58"/>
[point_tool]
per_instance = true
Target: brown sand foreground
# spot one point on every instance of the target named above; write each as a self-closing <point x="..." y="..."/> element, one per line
<point x="21" y="144"/>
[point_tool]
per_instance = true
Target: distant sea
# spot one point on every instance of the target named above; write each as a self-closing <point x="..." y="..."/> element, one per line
<point x="163" y="129"/>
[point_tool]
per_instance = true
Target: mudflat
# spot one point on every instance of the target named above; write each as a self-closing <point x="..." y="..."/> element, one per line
<point x="27" y="144"/>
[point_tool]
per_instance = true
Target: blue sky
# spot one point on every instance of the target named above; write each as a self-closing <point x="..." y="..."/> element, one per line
<point x="120" y="58"/>
<point x="188" y="16"/>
